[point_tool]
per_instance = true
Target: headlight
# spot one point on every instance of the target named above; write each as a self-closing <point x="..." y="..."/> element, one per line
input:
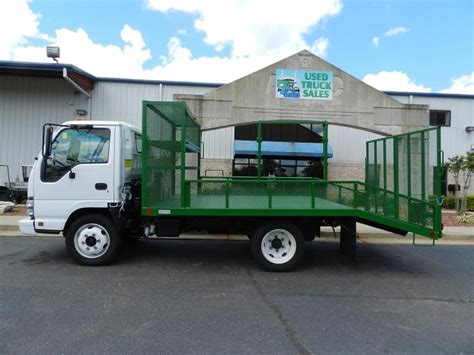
<point x="30" y="209"/>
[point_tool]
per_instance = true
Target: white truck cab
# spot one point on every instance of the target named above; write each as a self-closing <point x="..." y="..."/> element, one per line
<point x="86" y="168"/>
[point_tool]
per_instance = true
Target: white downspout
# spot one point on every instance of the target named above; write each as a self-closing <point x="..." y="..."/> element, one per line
<point x="81" y="90"/>
<point x="90" y="107"/>
<point x="70" y="81"/>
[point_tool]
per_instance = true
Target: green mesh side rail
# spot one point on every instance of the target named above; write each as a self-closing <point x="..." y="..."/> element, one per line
<point x="407" y="168"/>
<point x="404" y="212"/>
<point x="265" y="196"/>
<point x="170" y="151"/>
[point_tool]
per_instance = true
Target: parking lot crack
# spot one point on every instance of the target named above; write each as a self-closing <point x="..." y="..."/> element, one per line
<point x="389" y="298"/>
<point x="289" y="331"/>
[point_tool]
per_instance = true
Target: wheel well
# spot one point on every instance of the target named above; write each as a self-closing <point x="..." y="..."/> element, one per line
<point x="308" y="226"/>
<point x="81" y="212"/>
<point x="247" y="225"/>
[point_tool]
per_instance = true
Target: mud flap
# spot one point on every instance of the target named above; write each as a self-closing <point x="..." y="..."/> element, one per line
<point x="348" y="239"/>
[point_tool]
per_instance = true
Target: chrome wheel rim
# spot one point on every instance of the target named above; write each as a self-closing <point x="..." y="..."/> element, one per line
<point x="91" y="241"/>
<point x="278" y="246"/>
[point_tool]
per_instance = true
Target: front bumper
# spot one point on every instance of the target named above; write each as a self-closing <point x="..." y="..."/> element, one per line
<point x="27" y="226"/>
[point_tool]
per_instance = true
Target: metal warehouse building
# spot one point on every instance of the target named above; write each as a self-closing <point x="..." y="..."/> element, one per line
<point x="32" y="94"/>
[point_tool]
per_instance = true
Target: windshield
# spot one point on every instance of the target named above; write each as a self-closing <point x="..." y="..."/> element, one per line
<point x="73" y="146"/>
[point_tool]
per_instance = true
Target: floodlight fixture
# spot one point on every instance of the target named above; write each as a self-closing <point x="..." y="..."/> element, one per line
<point x="53" y="52"/>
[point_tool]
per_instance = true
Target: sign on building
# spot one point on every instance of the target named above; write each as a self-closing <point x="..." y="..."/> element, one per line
<point x="304" y="84"/>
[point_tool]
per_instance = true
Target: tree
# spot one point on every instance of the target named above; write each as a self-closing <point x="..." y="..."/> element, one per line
<point x="467" y="170"/>
<point x="461" y="166"/>
<point x="454" y="166"/>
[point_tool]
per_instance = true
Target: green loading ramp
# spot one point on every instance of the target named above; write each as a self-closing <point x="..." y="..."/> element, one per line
<point x="401" y="190"/>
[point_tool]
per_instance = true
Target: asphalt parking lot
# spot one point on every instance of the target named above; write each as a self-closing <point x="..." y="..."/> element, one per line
<point x="209" y="297"/>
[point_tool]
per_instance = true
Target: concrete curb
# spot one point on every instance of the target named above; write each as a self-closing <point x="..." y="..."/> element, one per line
<point x="9" y="228"/>
<point x="10" y="223"/>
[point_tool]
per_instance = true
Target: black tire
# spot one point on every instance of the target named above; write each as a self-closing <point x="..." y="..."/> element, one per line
<point x="308" y="237"/>
<point x="131" y="237"/>
<point x="290" y="237"/>
<point x="82" y="233"/>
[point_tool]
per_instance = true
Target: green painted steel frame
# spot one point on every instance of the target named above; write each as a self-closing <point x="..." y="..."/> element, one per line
<point x="185" y="117"/>
<point x="144" y="195"/>
<point x="397" y="139"/>
<point x="364" y="195"/>
<point x="352" y="209"/>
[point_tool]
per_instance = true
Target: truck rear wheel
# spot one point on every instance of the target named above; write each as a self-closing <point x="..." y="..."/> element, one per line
<point x="278" y="246"/>
<point x="93" y="240"/>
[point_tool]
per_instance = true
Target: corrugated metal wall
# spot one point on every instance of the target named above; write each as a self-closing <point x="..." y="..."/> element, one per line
<point x="454" y="140"/>
<point x="219" y="143"/>
<point x="122" y="102"/>
<point x="25" y="105"/>
<point x="348" y="144"/>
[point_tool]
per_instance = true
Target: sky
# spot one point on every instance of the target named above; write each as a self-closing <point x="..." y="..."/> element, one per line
<point x="394" y="45"/>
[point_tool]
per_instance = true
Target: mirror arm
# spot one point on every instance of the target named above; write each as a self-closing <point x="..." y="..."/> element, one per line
<point x="48" y="138"/>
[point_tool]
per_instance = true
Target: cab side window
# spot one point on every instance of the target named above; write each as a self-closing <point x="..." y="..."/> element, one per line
<point x="73" y="146"/>
<point x="138" y="143"/>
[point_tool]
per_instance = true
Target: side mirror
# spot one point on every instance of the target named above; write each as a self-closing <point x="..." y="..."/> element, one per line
<point x="47" y="141"/>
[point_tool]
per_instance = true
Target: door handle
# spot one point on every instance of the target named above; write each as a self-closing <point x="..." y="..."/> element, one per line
<point x="101" y="186"/>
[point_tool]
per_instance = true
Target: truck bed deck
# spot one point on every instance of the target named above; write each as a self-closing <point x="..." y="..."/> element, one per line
<point x="296" y="197"/>
<point x="254" y="202"/>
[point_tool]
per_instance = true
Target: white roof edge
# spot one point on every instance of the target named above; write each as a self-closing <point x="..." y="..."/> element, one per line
<point x="102" y="123"/>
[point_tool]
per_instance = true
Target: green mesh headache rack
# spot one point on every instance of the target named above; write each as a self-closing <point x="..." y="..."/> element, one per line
<point x="401" y="189"/>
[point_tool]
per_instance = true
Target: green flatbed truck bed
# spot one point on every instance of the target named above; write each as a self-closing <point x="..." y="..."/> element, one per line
<point x="401" y="191"/>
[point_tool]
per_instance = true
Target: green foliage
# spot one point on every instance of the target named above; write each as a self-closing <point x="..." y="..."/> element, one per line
<point x="455" y="165"/>
<point x="449" y="202"/>
<point x="463" y="218"/>
<point x="470" y="202"/>
<point x="470" y="161"/>
<point x="462" y="166"/>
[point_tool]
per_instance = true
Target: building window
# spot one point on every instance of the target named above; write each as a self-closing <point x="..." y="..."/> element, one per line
<point x="440" y="118"/>
<point x="279" y="167"/>
<point x="274" y="163"/>
<point x="310" y="133"/>
<point x="245" y="167"/>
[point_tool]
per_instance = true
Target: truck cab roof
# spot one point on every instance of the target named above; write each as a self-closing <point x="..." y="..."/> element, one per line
<point x="102" y="123"/>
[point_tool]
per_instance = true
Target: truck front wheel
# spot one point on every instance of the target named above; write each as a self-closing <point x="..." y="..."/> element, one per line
<point x="93" y="240"/>
<point x="278" y="246"/>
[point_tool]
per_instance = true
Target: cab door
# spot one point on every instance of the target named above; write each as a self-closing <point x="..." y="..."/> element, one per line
<point x="78" y="174"/>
